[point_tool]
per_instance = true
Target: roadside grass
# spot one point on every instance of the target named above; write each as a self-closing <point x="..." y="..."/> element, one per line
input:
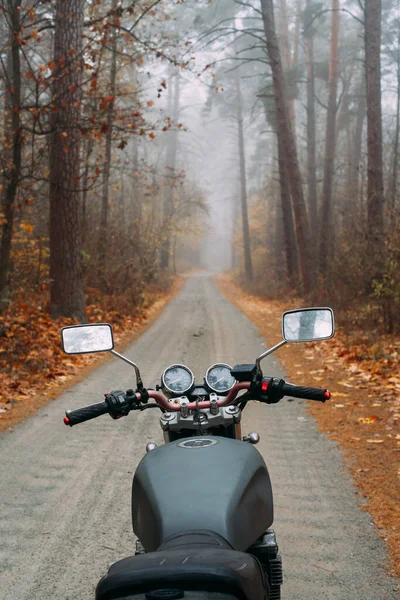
<point x="363" y="415"/>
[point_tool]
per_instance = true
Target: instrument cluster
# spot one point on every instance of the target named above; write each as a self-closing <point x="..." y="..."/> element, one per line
<point x="179" y="380"/>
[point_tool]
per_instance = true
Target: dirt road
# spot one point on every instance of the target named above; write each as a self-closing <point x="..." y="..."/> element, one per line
<point x="65" y="493"/>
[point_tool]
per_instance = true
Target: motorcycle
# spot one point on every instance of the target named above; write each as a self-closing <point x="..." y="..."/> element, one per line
<point x="218" y="544"/>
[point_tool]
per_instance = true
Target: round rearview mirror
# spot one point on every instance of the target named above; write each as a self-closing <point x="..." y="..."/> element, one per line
<point x="79" y="339"/>
<point x="308" y="325"/>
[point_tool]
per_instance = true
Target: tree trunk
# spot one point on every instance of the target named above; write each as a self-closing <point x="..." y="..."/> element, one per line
<point x="284" y="46"/>
<point x="285" y="235"/>
<point x="342" y="110"/>
<point x="311" y="135"/>
<point x="235" y="257"/>
<point x="294" y="63"/>
<point x="287" y="218"/>
<point x="174" y="254"/>
<point x="12" y="146"/>
<point x="375" y="198"/>
<point x="393" y="179"/>
<point x="87" y="154"/>
<point x="66" y="295"/>
<point x="171" y="166"/>
<point x="102" y="243"/>
<point x="326" y="225"/>
<point x="285" y="133"/>
<point x="288" y="60"/>
<point x="296" y="41"/>
<point x="355" y="158"/>
<point x="136" y="205"/>
<point x="248" y="265"/>
<point x="275" y="236"/>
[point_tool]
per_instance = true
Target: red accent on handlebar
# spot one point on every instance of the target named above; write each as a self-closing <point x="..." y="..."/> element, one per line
<point x="66" y="420"/>
<point x="245" y="385"/>
<point x="327" y="394"/>
<point x="162" y="401"/>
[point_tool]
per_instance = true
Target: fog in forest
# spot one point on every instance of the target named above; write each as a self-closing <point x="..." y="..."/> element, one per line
<point x="258" y="137"/>
<point x="207" y="152"/>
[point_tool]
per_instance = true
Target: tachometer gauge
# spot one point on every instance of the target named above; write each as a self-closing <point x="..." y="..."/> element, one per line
<point x="177" y="379"/>
<point x="219" y="378"/>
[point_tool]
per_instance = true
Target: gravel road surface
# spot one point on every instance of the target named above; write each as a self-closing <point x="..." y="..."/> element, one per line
<point x="65" y="492"/>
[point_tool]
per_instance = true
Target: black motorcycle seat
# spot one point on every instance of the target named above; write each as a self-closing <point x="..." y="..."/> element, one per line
<point x="195" y="538"/>
<point x="186" y="564"/>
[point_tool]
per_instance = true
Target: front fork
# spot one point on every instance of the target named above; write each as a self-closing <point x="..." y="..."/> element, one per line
<point x="266" y="552"/>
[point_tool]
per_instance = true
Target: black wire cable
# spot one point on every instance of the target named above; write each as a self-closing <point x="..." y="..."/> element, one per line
<point x="199" y="417"/>
<point x="242" y="400"/>
<point x="146" y="406"/>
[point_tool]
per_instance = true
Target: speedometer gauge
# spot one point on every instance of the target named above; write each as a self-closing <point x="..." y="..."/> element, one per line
<point x="219" y="378"/>
<point x="177" y="379"/>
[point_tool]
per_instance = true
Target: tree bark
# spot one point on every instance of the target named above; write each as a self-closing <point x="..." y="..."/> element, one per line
<point x="342" y="114"/>
<point x="326" y="225"/>
<point x="248" y="265"/>
<point x="171" y="166"/>
<point x="284" y="36"/>
<point x="288" y="60"/>
<point x="294" y="63"/>
<point x="136" y="204"/>
<point x="355" y="157"/>
<point x="283" y="237"/>
<point x="102" y="242"/>
<point x="395" y="160"/>
<point x="296" y="41"/>
<point x="311" y="135"/>
<point x="85" y="180"/>
<point x="66" y="294"/>
<point x="12" y="157"/>
<point x="285" y="133"/>
<point x="287" y="218"/>
<point x="375" y="197"/>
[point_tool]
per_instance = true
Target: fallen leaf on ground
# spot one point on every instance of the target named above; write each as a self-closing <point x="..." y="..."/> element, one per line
<point x="345" y="384"/>
<point x="368" y="420"/>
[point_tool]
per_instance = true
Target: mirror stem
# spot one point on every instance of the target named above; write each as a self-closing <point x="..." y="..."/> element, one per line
<point x="139" y="381"/>
<point x="267" y="352"/>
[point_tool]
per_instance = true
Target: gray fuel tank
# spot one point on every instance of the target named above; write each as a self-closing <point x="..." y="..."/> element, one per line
<point x="211" y="483"/>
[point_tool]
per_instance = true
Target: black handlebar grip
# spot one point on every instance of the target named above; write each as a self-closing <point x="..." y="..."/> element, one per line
<point x="298" y="391"/>
<point x="73" y="417"/>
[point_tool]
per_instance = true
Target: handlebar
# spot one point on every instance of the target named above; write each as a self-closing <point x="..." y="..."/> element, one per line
<point x="73" y="417"/>
<point x="162" y="400"/>
<point x="269" y="390"/>
<point x="306" y="393"/>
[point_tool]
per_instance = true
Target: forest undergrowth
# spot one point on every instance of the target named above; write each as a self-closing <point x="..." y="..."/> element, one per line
<point x="33" y="365"/>
<point x="360" y="368"/>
